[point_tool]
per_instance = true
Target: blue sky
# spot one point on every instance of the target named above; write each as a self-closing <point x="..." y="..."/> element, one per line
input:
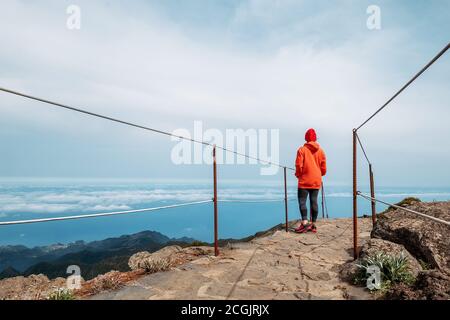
<point x="288" y="65"/>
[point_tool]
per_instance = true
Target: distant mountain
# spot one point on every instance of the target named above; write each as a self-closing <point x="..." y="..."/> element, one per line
<point x="93" y="258"/>
<point x="9" y="272"/>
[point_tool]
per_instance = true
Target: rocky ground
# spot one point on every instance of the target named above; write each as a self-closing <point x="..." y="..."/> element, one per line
<point x="274" y="265"/>
<point x="426" y="242"/>
<point x="277" y="264"/>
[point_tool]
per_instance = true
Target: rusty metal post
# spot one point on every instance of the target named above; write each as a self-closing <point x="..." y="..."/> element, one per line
<point x="323" y="205"/>
<point x="216" y="242"/>
<point x="355" y="200"/>
<point x="372" y="194"/>
<point x="286" y="200"/>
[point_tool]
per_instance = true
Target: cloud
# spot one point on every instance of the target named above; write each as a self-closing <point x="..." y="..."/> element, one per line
<point x="37" y="208"/>
<point x="107" y="208"/>
<point x="272" y="64"/>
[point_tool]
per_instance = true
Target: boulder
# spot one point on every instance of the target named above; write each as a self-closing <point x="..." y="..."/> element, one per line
<point x="199" y="251"/>
<point x="430" y="285"/>
<point x="135" y="261"/>
<point x="374" y="246"/>
<point x="425" y="239"/>
<point x="434" y="285"/>
<point x="347" y="270"/>
<point x="160" y="259"/>
<point x="33" y="287"/>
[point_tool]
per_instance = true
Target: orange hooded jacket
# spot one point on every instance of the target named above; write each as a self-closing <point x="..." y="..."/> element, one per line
<point x="310" y="166"/>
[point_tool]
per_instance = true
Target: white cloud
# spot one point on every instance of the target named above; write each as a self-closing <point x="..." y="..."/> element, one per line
<point x="151" y="72"/>
<point x="107" y="208"/>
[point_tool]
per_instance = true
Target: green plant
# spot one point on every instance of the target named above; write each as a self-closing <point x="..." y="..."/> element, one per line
<point x="197" y="243"/>
<point x="393" y="269"/>
<point x="61" y="294"/>
<point x="425" y="265"/>
<point x="404" y="203"/>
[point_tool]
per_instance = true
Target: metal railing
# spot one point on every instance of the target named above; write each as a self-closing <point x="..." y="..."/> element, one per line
<point x="103" y="214"/>
<point x="423" y="215"/>
<point x="357" y="140"/>
<point x="215" y="199"/>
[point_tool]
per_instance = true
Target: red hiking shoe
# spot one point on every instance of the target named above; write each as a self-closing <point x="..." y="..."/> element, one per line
<point x="302" y="228"/>
<point x="312" y="228"/>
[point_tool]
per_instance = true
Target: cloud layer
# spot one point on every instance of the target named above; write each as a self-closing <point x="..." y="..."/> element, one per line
<point x="288" y="65"/>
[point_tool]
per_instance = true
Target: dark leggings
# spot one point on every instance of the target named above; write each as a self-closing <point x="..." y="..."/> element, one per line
<point x="313" y="194"/>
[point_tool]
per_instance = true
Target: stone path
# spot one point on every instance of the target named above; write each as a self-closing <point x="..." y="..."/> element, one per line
<point x="279" y="266"/>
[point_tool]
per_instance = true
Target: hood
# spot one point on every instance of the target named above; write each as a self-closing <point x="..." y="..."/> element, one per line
<point x="310" y="135"/>
<point x="312" y="146"/>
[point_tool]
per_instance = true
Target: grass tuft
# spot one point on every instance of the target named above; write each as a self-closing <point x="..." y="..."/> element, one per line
<point x="393" y="269"/>
<point x="404" y="203"/>
<point x="61" y="294"/>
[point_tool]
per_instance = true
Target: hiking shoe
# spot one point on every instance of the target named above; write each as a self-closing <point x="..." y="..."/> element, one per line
<point x="312" y="228"/>
<point x="302" y="228"/>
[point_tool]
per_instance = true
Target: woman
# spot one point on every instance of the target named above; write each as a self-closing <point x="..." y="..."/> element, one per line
<point x="310" y="166"/>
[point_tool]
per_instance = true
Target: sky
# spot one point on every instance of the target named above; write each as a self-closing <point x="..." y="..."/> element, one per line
<point x="249" y="64"/>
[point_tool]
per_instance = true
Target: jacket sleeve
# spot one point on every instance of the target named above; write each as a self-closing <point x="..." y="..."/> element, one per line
<point x="323" y="164"/>
<point x="299" y="163"/>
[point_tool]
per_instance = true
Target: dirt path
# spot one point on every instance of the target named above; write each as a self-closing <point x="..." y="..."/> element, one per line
<point x="279" y="266"/>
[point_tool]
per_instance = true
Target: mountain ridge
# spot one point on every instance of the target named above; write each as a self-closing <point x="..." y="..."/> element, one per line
<point x="93" y="257"/>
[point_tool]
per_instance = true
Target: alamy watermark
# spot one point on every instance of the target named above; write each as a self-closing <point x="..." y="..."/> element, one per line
<point x="73" y="281"/>
<point x="263" y="144"/>
<point x="73" y="21"/>
<point x="374" y="280"/>
<point x="374" y="20"/>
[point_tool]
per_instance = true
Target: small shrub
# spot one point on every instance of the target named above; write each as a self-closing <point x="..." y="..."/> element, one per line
<point x="152" y="266"/>
<point x="109" y="281"/>
<point x="404" y="203"/>
<point x="197" y="243"/>
<point x="393" y="269"/>
<point x="61" y="294"/>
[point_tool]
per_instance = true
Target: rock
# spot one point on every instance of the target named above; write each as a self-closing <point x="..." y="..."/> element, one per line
<point x="107" y="281"/>
<point x="198" y="251"/>
<point x="324" y="276"/>
<point x="430" y="285"/>
<point x="402" y="291"/>
<point x="34" y="287"/>
<point x="423" y="238"/>
<point x="404" y="203"/>
<point x="135" y="261"/>
<point x="434" y="285"/>
<point x="374" y="246"/>
<point x="347" y="271"/>
<point x="158" y="259"/>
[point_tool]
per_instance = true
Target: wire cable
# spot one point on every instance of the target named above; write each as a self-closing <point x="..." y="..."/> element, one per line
<point x="362" y="148"/>
<point x="251" y="201"/>
<point x="404" y="209"/>
<point x="407" y="84"/>
<point x="57" y="104"/>
<point x="105" y="214"/>
<point x="324" y="202"/>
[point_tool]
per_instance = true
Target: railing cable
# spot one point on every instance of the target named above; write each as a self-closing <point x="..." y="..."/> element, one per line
<point x="362" y="148"/>
<point x="57" y="104"/>
<point x="105" y="214"/>
<point x="253" y="201"/>
<point x="404" y="209"/>
<point x="407" y="84"/>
